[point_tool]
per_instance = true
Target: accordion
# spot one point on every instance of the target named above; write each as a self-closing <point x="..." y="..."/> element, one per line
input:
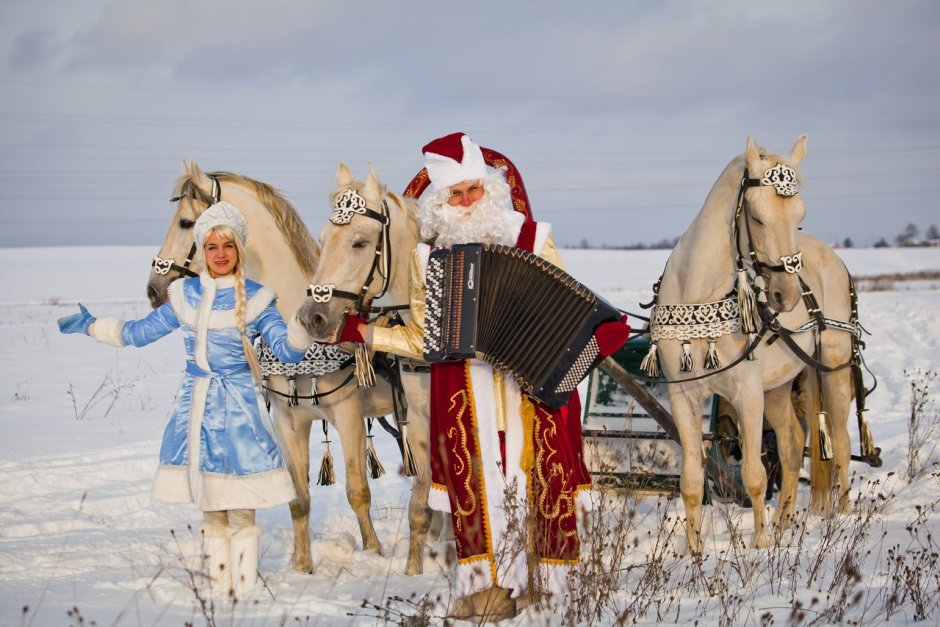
<point x="516" y="311"/>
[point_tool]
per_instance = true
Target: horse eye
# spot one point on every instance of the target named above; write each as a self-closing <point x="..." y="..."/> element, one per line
<point x="186" y="224"/>
<point x="361" y="243"/>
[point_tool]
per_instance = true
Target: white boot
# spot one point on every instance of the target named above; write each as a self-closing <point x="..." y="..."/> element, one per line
<point x="245" y="559"/>
<point x="216" y="549"/>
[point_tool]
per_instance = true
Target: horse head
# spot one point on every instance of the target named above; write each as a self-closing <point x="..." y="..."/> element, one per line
<point x="356" y="261"/>
<point x="193" y="193"/>
<point x="768" y="221"/>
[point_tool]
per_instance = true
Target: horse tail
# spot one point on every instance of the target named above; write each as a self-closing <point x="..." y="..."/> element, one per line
<point x="820" y="468"/>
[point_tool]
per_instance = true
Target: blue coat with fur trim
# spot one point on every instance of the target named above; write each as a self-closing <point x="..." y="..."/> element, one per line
<point x="219" y="449"/>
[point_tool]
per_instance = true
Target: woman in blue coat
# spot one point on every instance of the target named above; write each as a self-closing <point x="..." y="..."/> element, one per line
<point x="219" y="449"/>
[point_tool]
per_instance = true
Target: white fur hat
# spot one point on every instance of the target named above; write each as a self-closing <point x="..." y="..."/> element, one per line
<point x="218" y="214"/>
<point x="453" y="159"/>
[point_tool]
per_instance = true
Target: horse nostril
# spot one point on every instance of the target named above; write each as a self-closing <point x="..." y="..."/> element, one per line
<point x="319" y="321"/>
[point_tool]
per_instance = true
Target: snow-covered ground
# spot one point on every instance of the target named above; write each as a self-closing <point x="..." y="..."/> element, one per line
<point x="81" y="422"/>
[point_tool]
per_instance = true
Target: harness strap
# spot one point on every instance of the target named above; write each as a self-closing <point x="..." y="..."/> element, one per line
<point x="770" y="321"/>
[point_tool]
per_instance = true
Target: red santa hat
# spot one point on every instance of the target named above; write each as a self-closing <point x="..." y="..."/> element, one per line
<point x="453" y="159"/>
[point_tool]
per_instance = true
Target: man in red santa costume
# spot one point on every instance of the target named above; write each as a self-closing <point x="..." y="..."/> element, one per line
<point x="507" y="468"/>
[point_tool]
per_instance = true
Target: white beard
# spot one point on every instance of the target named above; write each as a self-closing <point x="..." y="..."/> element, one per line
<point x="490" y="220"/>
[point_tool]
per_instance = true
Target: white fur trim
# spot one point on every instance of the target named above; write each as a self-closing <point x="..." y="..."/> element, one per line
<point x="297" y="337"/>
<point x="472" y="577"/>
<point x="423" y="251"/>
<point x="444" y="171"/>
<point x="259" y="491"/>
<point x="438" y="499"/>
<point x="257" y="304"/>
<point x="197" y="412"/>
<point x="542" y="231"/>
<point x="108" y="331"/>
<point x="584" y="502"/>
<point x="203" y="311"/>
<point x="554" y="579"/>
<point x="185" y="313"/>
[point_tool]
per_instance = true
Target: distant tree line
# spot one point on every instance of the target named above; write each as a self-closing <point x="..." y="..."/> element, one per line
<point x="909" y="237"/>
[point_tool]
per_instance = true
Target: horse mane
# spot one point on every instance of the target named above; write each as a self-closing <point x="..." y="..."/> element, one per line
<point x="305" y="249"/>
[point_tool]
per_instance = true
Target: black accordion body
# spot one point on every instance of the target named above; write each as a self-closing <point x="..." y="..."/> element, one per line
<point x="516" y="311"/>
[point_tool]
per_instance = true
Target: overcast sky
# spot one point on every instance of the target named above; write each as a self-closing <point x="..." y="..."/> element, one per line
<point x="620" y="115"/>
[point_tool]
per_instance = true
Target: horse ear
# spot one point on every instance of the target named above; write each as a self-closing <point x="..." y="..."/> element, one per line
<point x="372" y="189"/>
<point x="798" y="151"/>
<point x="199" y="177"/>
<point x="752" y="157"/>
<point x="344" y="176"/>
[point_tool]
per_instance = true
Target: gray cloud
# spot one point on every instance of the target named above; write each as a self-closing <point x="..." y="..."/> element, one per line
<point x="620" y="114"/>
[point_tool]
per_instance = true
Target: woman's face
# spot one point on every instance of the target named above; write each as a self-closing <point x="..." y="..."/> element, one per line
<point x="221" y="255"/>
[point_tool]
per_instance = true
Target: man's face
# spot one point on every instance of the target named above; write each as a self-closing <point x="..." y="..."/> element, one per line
<point x="465" y="194"/>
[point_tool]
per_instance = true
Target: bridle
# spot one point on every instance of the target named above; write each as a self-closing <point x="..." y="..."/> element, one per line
<point x="163" y="266"/>
<point x="347" y="205"/>
<point x="783" y="179"/>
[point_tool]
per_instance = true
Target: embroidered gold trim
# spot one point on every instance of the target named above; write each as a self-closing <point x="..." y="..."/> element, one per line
<point x="462" y="464"/>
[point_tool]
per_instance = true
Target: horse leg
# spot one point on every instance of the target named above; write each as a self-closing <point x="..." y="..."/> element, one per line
<point x="685" y="413"/>
<point x="778" y="411"/>
<point x="749" y="404"/>
<point x="837" y="397"/>
<point x="419" y="515"/>
<point x="294" y="436"/>
<point x="348" y="420"/>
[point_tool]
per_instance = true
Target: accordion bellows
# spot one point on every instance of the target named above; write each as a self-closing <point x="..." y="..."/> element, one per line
<point x="516" y="311"/>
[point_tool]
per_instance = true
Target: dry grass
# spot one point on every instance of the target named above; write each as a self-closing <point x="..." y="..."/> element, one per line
<point x="889" y="282"/>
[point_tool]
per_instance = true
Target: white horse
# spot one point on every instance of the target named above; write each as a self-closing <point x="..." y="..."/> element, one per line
<point x="282" y="256"/>
<point x="752" y="214"/>
<point x="366" y="253"/>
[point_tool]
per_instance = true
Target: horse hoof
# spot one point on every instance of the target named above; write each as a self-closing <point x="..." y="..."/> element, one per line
<point x="304" y="566"/>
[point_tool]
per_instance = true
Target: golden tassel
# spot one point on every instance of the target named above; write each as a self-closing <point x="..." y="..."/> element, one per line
<point x="373" y="464"/>
<point x="327" y="475"/>
<point x="409" y="467"/>
<point x="869" y="450"/>
<point x="365" y="374"/>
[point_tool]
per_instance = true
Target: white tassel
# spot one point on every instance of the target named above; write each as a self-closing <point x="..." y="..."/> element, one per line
<point x="314" y="392"/>
<point x="751" y="356"/>
<point x="711" y="358"/>
<point x="409" y="468"/>
<point x="292" y="392"/>
<point x="265" y="394"/>
<point x="686" y="362"/>
<point x="327" y="476"/>
<point x="747" y="303"/>
<point x="650" y="363"/>
<point x="825" y="440"/>
<point x="364" y="371"/>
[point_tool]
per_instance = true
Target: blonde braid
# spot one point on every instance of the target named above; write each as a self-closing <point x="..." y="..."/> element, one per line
<point x="241" y="306"/>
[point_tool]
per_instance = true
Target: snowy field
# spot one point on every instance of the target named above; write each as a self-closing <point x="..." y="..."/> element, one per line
<point x="81" y="424"/>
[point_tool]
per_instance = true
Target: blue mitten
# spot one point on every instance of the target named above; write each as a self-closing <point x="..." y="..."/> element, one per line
<point x="76" y="323"/>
